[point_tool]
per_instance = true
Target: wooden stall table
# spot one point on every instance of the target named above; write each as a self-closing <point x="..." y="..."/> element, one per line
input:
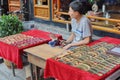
<point x="39" y="54"/>
<point x="62" y="71"/>
<point x="11" y="47"/>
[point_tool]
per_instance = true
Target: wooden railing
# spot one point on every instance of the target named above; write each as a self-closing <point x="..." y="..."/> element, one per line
<point x="100" y="24"/>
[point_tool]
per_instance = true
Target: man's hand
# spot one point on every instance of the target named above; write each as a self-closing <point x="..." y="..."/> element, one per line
<point x="67" y="46"/>
<point x="63" y="43"/>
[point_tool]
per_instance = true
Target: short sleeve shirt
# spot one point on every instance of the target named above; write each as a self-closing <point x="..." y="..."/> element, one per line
<point x="81" y="29"/>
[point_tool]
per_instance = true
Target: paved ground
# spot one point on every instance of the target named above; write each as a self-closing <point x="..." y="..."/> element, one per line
<point x="6" y="73"/>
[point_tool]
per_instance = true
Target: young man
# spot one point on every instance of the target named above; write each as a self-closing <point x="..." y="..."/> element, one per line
<point x="81" y="26"/>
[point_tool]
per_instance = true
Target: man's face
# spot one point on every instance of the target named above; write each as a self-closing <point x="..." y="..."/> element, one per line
<point x="72" y="13"/>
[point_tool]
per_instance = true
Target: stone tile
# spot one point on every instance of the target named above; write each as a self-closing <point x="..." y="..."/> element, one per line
<point x="6" y="73"/>
<point x="3" y="75"/>
<point x="17" y="77"/>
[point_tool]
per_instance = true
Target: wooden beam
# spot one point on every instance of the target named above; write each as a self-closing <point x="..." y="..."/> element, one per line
<point x="106" y="29"/>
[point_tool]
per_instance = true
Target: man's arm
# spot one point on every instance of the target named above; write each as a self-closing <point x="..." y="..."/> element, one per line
<point x="70" y="39"/>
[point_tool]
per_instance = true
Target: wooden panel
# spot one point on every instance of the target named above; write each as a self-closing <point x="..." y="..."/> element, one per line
<point x="14" y="2"/>
<point x="14" y="5"/>
<point x="41" y="12"/>
<point x="36" y="61"/>
<point x="14" y="8"/>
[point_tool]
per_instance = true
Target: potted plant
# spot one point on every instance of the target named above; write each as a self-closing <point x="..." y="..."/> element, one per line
<point x="9" y="25"/>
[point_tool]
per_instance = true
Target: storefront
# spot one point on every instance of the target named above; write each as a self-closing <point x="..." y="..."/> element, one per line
<point x="57" y="11"/>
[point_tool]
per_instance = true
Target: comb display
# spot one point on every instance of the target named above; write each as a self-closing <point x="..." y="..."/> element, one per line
<point x="21" y="40"/>
<point x="93" y="59"/>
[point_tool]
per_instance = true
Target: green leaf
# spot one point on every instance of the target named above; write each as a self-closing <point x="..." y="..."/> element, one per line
<point x="9" y="25"/>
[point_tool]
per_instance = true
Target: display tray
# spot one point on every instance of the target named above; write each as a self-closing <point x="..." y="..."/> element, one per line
<point x="114" y="76"/>
<point x="114" y="51"/>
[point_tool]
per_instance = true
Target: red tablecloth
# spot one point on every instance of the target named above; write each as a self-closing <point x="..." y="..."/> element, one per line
<point x="62" y="71"/>
<point x="13" y="53"/>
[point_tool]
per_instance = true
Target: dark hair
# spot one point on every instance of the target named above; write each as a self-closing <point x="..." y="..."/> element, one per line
<point x="78" y="6"/>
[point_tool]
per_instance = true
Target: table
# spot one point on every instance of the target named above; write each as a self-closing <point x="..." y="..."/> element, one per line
<point x="39" y="54"/>
<point x="62" y="71"/>
<point x="13" y="53"/>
